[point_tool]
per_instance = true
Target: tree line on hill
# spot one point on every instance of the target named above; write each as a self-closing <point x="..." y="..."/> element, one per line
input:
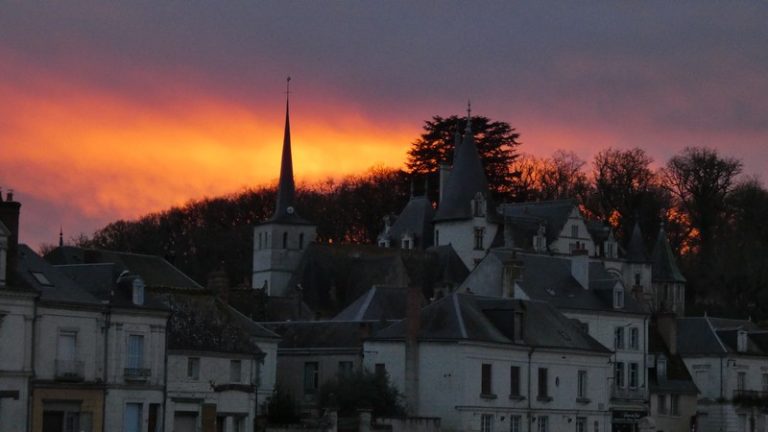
<point x="714" y="215"/>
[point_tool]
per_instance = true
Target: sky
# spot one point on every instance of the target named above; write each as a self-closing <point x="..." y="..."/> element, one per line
<point x="110" y="110"/>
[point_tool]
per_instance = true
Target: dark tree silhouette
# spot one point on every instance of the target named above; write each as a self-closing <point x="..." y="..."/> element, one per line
<point x="496" y="142"/>
<point x="699" y="180"/>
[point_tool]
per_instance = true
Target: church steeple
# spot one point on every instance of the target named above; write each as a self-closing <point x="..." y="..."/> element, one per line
<point x="286" y="188"/>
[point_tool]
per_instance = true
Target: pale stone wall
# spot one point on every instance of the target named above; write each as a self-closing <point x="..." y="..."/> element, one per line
<point x="564" y="240"/>
<point x="274" y="264"/>
<point x="461" y="235"/>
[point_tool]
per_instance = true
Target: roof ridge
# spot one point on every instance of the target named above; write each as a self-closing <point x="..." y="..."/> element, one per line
<point x="714" y="332"/>
<point x="366" y="303"/>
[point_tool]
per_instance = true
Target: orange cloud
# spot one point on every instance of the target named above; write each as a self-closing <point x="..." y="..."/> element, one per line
<point x="108" y="154"/>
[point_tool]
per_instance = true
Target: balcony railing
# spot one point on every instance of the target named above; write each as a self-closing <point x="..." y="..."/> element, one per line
<point x="751" y="398"/>
<point x="137" y="374"/>
<point x="628" y="393"/>
<point x="69" y="370"/>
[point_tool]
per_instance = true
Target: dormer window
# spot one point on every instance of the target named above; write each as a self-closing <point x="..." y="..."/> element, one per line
<point x="478" y="205"/>
<point x="741" y="341"/>
<point x="618" y="297"/>
<point x="137" y="288"/>
<point x="406" y="242"/>
<point x="479" y="234"/>
<point x="384" y="243"/>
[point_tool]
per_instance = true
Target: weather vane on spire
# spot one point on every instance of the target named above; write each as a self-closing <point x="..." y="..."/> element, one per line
<point x="287" y="86"/>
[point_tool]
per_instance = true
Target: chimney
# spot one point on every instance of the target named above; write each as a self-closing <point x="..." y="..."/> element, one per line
<point x="580" y="267"/>
<point x="9" y="215"/>
<point x="666" y="323"/>
<point x="511" y="270"/>
<point x="413" y="320"/>
<point x="509" y="238"/>
<point x="445" y="172"/>
<point x="218" y="283"/>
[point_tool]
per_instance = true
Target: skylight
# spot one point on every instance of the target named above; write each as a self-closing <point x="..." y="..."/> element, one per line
<point x="42" y="279"/>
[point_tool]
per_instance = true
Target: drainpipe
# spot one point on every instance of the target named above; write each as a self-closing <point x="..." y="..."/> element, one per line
<point x="530" y="415"/>
<point x="105" y="375"/>
<point x="165" y="374"/>
<point x="31" y="366"/>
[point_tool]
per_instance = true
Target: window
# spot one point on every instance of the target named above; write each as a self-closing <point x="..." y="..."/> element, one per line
<point x="741" y="341"/>
<point x="486" y="423"/>
<point x="633" y="375"/>
<point x="634" y="338"/>
<point x="380" y="369"/>
<point x="479" y="234"/>
<point x="485" y="379"/>
<point x="741" y="380"/>
<point x="311" y="378"/>
<point x="597" y="426"/>
<point x="138" y="291"/>
<point x="618" y="341"/>
<point x="662" y="400"/>
<point x="514" y="381"/>
<point x="581" y="424"/>
<point x="132" y="417"/>
<point x="301" y="241"/>
<point x="285" y="240"/>
<point x="67" y="349"/>
<point x="345" y="368"/>
<point x="193" y="368"/>
<point x="538" y="242"/>
<point x="581" y="385"/>
<point x="478" y="206"/>
<point x="135" y="358"/>
<point x="618" y="297"/>
<point x="619" y="375"/>
<point x="765" y="382"/>
<point x="542" y="424"/>
<point x="575" y="231"/>
<point x="515" y="423"/>
<point x="235" y="371"/>
<point x="437" y="237"/>
<point x="675" y="402"/>
<point x="661" y="368"/>
<point x="543" y="383"/>
<point x="406" y="243"/>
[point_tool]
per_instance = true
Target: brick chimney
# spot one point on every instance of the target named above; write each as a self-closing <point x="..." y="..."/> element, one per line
<point x="413" y="320"/>
<point x="666" y="324"/>
<point x="9" y="215"/>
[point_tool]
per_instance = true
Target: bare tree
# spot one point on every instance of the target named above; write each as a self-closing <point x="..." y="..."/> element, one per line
<point x="699" y="180"/>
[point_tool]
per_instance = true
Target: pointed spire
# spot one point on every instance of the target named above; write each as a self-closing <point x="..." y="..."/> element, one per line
<point x="468" y="129"/>
<point x="664" y="265"/>
<point x="636" y="246"/>
<point x="61" y="236"/>
<point x="286" y="188"/>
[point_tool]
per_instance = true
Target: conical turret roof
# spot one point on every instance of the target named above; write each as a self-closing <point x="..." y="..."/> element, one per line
<point x="636" y="247"/>
<point x="466" y="180"/>
<point x="664" y="265"/>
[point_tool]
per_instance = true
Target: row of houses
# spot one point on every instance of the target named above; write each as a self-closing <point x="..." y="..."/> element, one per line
<point x="106" y="341"/>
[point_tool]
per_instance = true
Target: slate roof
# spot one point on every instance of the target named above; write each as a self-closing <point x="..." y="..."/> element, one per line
<point x="202" y="322"/>
<point x="548" y="278"/>
<point x="323" y="334"/>
<point x="379" y="303"/>
<point x="258" y="306"/>
<point x="465" y="317"/>
<point x="416" y="220"/>
<point x="664" y="267"/>
<point x="102" y="281"/>
<point x="678" y="379"/>
<point x="333" y="276"/>
<point x="466" y="179"/>
<point x="717" y="336"/>
<point x="528" y="216"/>
<point x="154" y="270"/>
<point x="34" y="274"/>
<point x="4" y="231"/>
<point x="636" y="246"/>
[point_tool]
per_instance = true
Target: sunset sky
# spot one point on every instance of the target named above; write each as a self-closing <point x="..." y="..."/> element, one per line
<point x="111" y="110"/>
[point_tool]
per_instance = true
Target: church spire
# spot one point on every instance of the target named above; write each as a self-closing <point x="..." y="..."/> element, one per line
<point x="286" y="188"/>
